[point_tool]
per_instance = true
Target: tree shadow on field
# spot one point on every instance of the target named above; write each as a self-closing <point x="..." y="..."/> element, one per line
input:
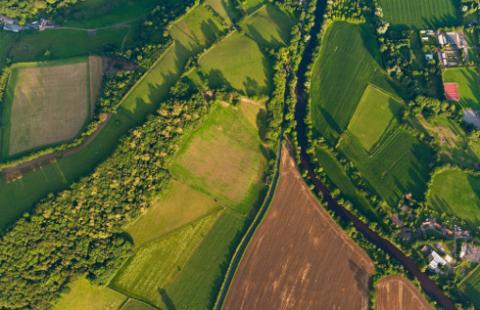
<point x="166" y="299"/>
<point x="216" y="79"/>
<point x="361" y="276"/>
<point x="367" y="33"/>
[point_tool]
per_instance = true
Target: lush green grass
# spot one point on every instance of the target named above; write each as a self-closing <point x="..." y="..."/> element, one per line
<point x="421" y="13"/>
<point x="457" y="193"/>
<point x="218" y="164"/>
<point x="134" y="304"/>
<point x="85" y="295"/>
<point x="155" y="266"/>
<point x="270" y="26"/>
<point x="197" y="29"/>
<point x="225" y="8"/>
<point x="399" y="166"/>
<point x="336" y="173"/>
<point x="468" y="83"/>
<point x="471" y="286"/>
<point x="238" y="62"/>
<point x="180" y="204"/>
<point x="251" y="5"/>
<point x="376" y="115"/>
<point x="348" y="61"/>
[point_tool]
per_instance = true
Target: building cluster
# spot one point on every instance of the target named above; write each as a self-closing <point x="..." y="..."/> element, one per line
<point x="12" y="25"/>
<point x="439" y="260"/>
<point x="455" y="232"/>
<point x="452" y="46"/>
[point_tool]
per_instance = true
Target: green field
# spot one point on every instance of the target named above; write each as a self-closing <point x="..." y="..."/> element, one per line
<point x="251" y="5"/>
<point x="397" y="167"/>
<point x="376" y="116"/>
<point x="456" y="193"/>
<point x="134" y="304"/>
<point x="249" y="73"/>
<point x="225" y="8"/>
<point x="421" y="13"/>
<point x="347" y="63"/>
<point x="470" y="286"/>
<point x="468" y="82"/>
<point x="83" y="295"/>
<point x="269" y="26"/>
<point x="144" y="98"/>
<point x="180" y="257"/>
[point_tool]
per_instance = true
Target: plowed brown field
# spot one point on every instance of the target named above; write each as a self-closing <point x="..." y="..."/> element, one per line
<point x="299" y="258"/>
<point x="397" y="293"/>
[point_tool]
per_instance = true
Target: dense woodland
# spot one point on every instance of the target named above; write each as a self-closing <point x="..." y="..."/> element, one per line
<point x="26" y="9"/>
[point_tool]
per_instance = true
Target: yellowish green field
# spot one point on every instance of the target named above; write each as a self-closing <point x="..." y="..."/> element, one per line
<point x="225" y="8"/>
<point x="48" y="103"/>
<point x="375" y="116"/>
<point x="84" y="295"/>
<point x="468" y="82"/>
<point x="238" y="62"/>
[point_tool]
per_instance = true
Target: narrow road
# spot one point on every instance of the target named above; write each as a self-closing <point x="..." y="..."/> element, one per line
<point x="429" y="286"/>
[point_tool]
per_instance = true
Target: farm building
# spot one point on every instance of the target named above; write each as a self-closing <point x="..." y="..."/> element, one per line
<point x="436" y="262"/>
<point x="470" y="252"/>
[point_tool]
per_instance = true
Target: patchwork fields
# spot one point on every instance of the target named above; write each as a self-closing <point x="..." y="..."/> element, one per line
<point x="420" y="14"/>
<point x="456" y="192"/>
<point x="468" y="82"/>
<point x="305" y="262"/>
<point x="397" y="293"/>
<point x="48" y="103"/>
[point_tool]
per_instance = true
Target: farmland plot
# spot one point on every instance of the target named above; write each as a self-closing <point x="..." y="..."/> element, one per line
<point x="299" y="258"/>
<point x="397" y="293"/>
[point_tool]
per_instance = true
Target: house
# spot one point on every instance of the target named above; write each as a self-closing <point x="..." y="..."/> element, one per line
<point x="428" y="56"/>
<point x="470" y="252"/>
<point x="436" y="262"/>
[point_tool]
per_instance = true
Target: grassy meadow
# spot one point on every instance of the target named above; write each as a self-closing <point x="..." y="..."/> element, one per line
<point x="225" y="8"/>
<point x="421" y="14"/>
<point x="48" y="103"/>
<point x="470" y="286"/>
<point x="376" y="115"/>
<point x="457" y="193"/>
<point x="185" y="240"/>
<point x="348" y="62"/>
<point x="84" y="295"/>
<point x="468" y="81"/>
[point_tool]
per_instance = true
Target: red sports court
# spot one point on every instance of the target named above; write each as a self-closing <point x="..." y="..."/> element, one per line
<point x="452" y="92"/>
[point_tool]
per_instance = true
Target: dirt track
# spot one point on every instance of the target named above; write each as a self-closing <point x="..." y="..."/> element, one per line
<point x="299" y="258"/>
<point x="397" y="293"/>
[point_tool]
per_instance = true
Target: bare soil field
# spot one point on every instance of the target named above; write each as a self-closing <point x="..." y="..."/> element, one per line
<point x="51" y="102"/>
<point x="397" y="293"/>
<point x="299" y="258"/>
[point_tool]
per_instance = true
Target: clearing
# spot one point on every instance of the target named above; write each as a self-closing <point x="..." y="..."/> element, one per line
<point x="397" y="293"/>
<point x="421" y="14"/>
<point x="456" y="192"/>
<point x="375" y="116"/>
<point x="49" y="103"/>
<point x="468" y="81"/>
<point x="299" y="258"/>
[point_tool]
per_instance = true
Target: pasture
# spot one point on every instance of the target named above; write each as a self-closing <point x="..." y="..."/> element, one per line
<point x="135" y="304"/>
<point x="456" y="193"/>
<point x="347" y="63"/>
<point x="376" y="115"/>
<point x="397" y="293"/>
<point x="48" y="103"/>
<point x="400" y="165"/>
<point x="225" y="8"/>
<point x="270" y="26"/>
<point x="180" y="259"/>
<point x="468" y="82"/>
<point x="308" y="264"/>
<point x="470" y="286"/>
<point x="250" y="74"/>
<point x="250" y="6"/>
<point x="197" y="29"/>
<point x="83" y="295"/>
<point x="421" y="14"/>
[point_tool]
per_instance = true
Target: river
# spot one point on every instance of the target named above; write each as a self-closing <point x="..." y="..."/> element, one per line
<point x="428" y="285"/>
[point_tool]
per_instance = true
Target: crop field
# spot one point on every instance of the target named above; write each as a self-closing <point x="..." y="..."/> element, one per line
<point x="197" y="29"/>
<point x="470" y="286"/>
<point x="185" y="240"/>
<point x="348" y="62"/>
<point x="468" y="81"/>
<point x="84" y="295"/>
<point x="399" y="166"/>
<point x="308" y="264"/>
<point x="421" y="14"/>
<point x="179" y="205"/>
<point x="251" y="74"/>
<point x="375" y="116"/>
<point x="134" y="304"/>
<point x="397" y="293"/>
<point x="456" y="192"/>
<point x="270" y="26"/>
<point x="49" y="103"/>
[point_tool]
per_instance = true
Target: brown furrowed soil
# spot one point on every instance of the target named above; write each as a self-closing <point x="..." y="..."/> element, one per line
<point x="397" y="293"/>
<point x="299" y="258"/>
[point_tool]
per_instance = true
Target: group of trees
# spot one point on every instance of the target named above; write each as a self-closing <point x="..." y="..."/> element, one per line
<point x="26" y="9"/>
